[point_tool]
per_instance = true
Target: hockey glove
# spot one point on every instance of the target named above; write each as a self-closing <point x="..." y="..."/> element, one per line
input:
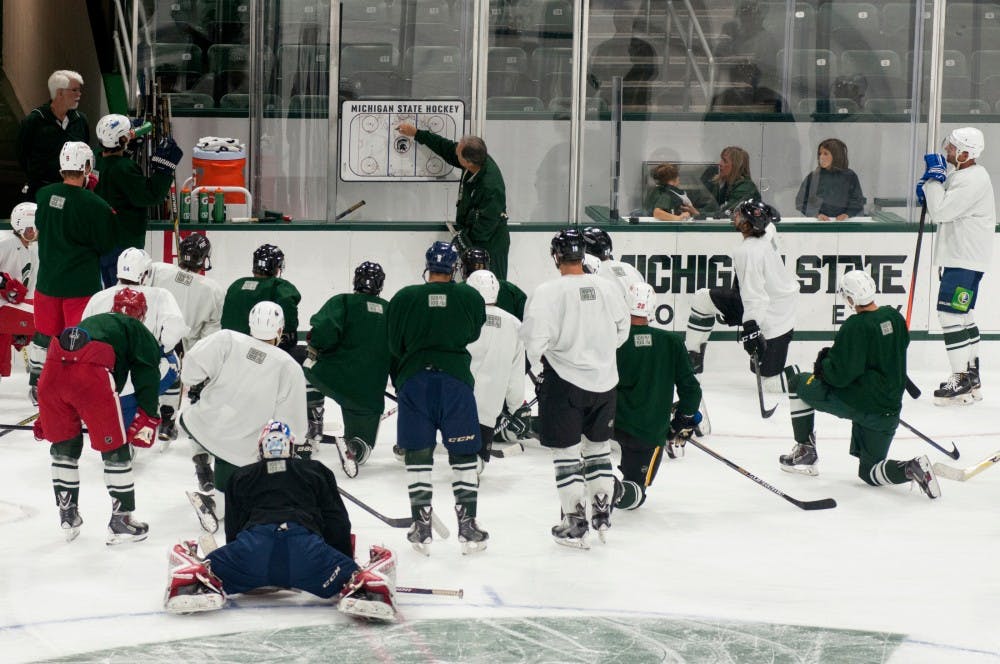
<point x="921" y="198"/>
<point x="194" y="392"/>
<point x="36" y="430"/>
<point x="539" y="381"/>
<point x="12" y="289"/>
<point x="166" y="156"/>
<point x="20" y="341"/>
<point x="683" y="426"/>
<point x="818" y="366"/>
<point x="311" y="356"/>
<point x="937" y="167"/>
<point x="91" y="181"/>
<point x="459" y="241"/>
<point x="753" y="341"/>
<point x="142" y="431"/>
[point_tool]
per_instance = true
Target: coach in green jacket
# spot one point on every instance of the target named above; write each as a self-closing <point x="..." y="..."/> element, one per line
<point x="481" y="213"/>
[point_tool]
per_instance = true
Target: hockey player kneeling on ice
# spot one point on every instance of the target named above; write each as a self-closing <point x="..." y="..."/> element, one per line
<point x="286" y="527"/>
<point x="762" y="300"/>
<point x="18" y="262"/>
<point x="497" y="361"/>
<point x="650" y="363"/>
<point x="348" y="360"/>
<point x="75" y="386"/>
<point x="238" y="379"/>
<point x="960" y="201"/>
<point x="572" y="327"/>
<point x="430" y="326"/>
<point x="163" y="318"/>
<point x="860" y="378"/>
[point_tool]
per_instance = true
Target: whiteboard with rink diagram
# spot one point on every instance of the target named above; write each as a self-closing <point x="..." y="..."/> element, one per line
<point x="372" y="150"/>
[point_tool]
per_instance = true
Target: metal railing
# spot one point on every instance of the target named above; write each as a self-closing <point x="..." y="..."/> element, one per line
<point x="126" y="41"/>
<point x="692" y="65"/>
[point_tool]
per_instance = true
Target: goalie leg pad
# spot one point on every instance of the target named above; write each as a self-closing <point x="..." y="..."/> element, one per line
<point x="191" y="586"/>
<point x="371" y="591"/>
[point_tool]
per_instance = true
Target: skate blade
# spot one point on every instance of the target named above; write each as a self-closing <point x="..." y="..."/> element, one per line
<point x="960" y="400"/>
<point x="123" y="538"/>
<point x="422" y="547"/>
<point x="603" y="536"/>
<point x="933" y="489"/>
<point x="164" y="445"/>
<point x="811" y="471"/>
<point x="977" y="394"/>
<point x="573" y="542"/>
<point x="71" y="533"/>
<point x="472" y="547"/>
<point x="366" y="609"/>
<point x="195" y="603"/>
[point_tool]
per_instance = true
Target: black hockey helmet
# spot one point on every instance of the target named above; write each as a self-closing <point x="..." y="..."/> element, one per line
<point x="441" y="258"/>
<point x="368" y="278"/>
<point x="568" y="245"/>
<point x="474" y="259"/>
<point x="757" y="213"/>
<point x="268" y="260"/>
<point x="195" y="253"/>
<point x="598" y="242"/>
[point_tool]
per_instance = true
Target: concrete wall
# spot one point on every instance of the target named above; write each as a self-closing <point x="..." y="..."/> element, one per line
<point x="41" y="36"/>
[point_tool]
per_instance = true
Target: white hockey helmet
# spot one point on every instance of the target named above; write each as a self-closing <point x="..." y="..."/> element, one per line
<point x="275" y="441"/>
<point x="112" y="128"/>
<point x="967" y="139"/>
<point x="267" y="320"/>
<point x="486" y="283"/>
<point x="134" y="265"/>
<point x="22" y="217"/>
<point x="641" y="300"/>
<point x="858" y="288"/>
<point x="591" y="263"/>
<point x="76" y="156"/>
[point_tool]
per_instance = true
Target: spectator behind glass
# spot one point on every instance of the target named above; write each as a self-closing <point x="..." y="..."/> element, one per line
<point x="729" y="182"/>
<point x="668" y="202"/>
<point x="832" y="191"/>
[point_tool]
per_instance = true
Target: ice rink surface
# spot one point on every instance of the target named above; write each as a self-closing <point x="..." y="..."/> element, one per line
<point x="712" y="568"/>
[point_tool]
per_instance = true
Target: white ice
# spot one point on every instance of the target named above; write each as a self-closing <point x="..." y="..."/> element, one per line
<point x="709" y="548"/>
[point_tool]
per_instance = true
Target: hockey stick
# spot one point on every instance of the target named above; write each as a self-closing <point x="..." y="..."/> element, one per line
<point x="391" y="396"/>
<point x="349" y="210"/>
<point x="962" y="474"/>
<point x="331" y="440"/>
<point x="822" y="504"/>
<point x="764" y="412"/>
<point x="23" y="425"/>
<point x="954" y="454"/>
<point x="916" y="263"/>
<point x="430" y="591"/>
<point x="912" y="389"/>
<point x="402" y="522"/>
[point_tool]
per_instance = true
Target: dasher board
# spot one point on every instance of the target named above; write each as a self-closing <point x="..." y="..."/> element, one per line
<point x="372" y="150"/>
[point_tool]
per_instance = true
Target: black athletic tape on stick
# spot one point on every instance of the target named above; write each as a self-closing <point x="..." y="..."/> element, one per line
<point x="912" y="389"/>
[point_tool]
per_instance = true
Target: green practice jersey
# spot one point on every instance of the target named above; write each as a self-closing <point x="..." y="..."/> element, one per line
<point x="245" y="292"/>
<point x="511" y="299"/>
<point x="430" y="325"/>
<point x="136" y="351"/>
<point x="75" y="227"/>
<point x="349" y="335"/>
<point x="131" y="194"/>
<point x="866" y="367"/>
<point x="650" y="363"/>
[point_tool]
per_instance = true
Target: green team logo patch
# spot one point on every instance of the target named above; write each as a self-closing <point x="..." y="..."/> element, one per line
<point x="962" y="299"/>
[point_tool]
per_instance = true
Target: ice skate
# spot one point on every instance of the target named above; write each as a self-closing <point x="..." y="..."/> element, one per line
<point x="204" y="506"/>
<point x="472" y="537"/>
<point x="600" y="514"/>
<point x="919" y="470"/>
<point x="69" y="516"/>
<point x="420" y="532"/>
<point x="802" y="458"/>
<point x="956" y="391"/>
<point x="203" y="470"/>
<point x="168" y="426"/>
<point x="123" y="528"/>
<point x="371" y="591"/>
<point x="399" y="453"/>
<point x="973" y="373"/>
<point x="358" y="450"/>
<point x="572" y="530"/>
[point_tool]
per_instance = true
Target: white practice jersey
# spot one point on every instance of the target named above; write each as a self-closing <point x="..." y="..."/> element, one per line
<point x="497" y="365"/>
<point x="199" y="298"/>
<point x="965" y="211"/>
<point x="163" y="317"/>
<point x="621" y="273"/>
<point x="19" y="261"/>
<point x="767" y="288"/>
<point x="249" y="383"/>
<point x="577" y="322"/>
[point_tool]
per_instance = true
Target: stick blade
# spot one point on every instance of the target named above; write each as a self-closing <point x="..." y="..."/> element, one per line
<point x="949" y="473"/>
<point x="954" y="454"/>
<point x="822" y="504"/>
<point x="766" y="413"/>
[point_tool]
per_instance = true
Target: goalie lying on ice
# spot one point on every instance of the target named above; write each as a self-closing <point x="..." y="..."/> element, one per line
<point x="286" y="527"/>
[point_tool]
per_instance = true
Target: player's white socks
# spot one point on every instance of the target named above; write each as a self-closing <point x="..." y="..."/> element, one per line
<point x="597" y="468"/>
<point x="700" y="321"/>
<point x="956" y="339"/>
<point x="118" y="477"/>
<point x="569" y="477"/>
<point x="465" y="479"/>
<point x="65" y="474"/>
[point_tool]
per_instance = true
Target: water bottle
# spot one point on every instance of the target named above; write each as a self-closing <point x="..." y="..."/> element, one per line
<point x="219" y="207"/>
<point x="204" y="211"/>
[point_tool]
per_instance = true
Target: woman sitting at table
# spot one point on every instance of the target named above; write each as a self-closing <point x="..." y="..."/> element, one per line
<point x="832" y="192"/>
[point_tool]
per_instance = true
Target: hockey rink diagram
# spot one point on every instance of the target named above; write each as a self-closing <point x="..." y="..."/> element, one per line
<point x="372" y="150"/>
